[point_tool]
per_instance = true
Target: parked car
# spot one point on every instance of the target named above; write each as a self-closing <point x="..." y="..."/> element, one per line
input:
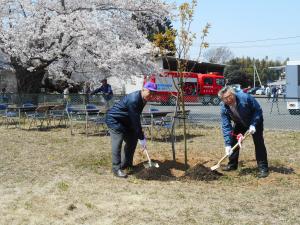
<point x="252" y="91"/>
<point x="260" y="91"/>
<point x="236" y="87"/>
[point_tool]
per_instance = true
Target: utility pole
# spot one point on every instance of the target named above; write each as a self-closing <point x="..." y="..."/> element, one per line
<point x="253" y="74"/>
<point x="256" y="73"/>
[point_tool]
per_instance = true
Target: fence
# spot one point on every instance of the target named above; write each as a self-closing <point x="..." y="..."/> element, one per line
<point x="36" y="99"/>
<point x="276" y="114"/>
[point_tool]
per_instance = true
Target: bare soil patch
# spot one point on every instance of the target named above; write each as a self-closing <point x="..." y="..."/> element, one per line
<point x="51" y="177"/>
<point x="170" y="170"/>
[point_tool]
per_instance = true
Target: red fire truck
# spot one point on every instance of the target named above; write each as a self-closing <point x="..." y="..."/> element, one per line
<point x="197" y="87"/>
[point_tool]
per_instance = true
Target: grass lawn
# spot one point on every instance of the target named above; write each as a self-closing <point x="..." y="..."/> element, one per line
<point x="51" y="177"/>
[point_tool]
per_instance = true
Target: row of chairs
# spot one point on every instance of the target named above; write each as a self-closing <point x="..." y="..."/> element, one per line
<point x="88" y="116"/>
<point x="39" y="116"/>
<point x="45" y="116"/>
<point x="161" y="126"/>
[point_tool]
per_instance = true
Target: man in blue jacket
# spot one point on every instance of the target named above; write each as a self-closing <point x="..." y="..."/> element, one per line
<point x="123" y="121"/>
<point x="106" y="91"/>
<point x="246" y="114"/>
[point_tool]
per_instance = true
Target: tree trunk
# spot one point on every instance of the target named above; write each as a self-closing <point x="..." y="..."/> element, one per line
<point x="28" y="82"/>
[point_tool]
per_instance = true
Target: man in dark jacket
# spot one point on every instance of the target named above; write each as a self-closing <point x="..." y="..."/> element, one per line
<point x="123" y="121"/>
<point x="274" y="94"/>
<point x="106" y="91"/>
<point x="246" y="114"/>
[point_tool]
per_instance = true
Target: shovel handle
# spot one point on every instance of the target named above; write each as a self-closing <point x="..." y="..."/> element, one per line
<point x="145" y="149"/>
<point x="225" y="156"/>
<point x="234" y="147"/>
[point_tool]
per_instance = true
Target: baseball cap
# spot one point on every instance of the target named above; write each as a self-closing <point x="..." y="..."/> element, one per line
<point x="150" y="86"/>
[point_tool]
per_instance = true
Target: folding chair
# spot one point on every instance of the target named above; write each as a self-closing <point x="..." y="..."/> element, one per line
<point x="94" y="118"/>
<point x="180" y="117"/>
<point x="164" y="124"/>
<point x="147" y="124"/>
<point x="40" y="115"/>
<point x="3" y="109"/>
<point x="12" y="117"/>
<point x="77" y="116"/>
<point x="58" y="113"/>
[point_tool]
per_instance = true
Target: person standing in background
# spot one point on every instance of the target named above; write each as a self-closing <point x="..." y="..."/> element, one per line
<point x="106" y="91"/>
<point x="87" y="92"/>
<point x="268" y="93"/>
<point x="274" y="94"/>
<point x="66" y="94"/>
<point x="4" y="96"/>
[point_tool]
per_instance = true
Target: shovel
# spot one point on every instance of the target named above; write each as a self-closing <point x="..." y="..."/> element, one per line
<point x="149" y="164"/>
<point x="225" y="156"/>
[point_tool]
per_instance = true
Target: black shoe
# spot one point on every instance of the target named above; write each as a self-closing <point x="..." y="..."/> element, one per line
<point x="229" y="167"/>
<point x="126" y="166"/>
<point x="120" y="173"/>
<point x="130" y="169"/>
<point x="263" y="173"/>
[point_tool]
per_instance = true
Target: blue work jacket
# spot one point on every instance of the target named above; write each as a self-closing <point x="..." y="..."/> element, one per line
<point x="125" y="115"/>
<point x="250" y="114"/>
<point x="106" y="90"/>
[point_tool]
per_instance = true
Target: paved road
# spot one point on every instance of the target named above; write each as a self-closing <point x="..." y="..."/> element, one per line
<point x="278" y="118"/>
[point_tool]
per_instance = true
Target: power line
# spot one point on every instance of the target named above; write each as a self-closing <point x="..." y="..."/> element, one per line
<point x="262" y="46"/>
<point x="253" y="46"/>
<point x="259" y="40"/>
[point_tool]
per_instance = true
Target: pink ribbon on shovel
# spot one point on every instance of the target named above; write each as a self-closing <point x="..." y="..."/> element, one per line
<point x="240" y="138"/>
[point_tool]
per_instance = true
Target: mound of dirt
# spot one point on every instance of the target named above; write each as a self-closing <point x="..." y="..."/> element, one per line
<point x="153" y="173"/>
<point x="200" y="172"/>
<point x="164" y="173"/>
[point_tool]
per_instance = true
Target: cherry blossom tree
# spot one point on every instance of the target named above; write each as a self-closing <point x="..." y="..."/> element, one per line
<point x="62" y="35"/>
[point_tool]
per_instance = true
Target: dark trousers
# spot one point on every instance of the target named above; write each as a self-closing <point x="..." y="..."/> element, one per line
<point x="260" y="148"/>
<point x="122" y="159"/>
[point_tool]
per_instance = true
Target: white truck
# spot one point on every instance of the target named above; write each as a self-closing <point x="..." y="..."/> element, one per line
<point x="293" y="86"/>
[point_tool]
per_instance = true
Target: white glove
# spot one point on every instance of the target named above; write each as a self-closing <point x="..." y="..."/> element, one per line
<point x="252" y="129"/>
<point x="228" y="150"/>
<point x="143" y="143"/>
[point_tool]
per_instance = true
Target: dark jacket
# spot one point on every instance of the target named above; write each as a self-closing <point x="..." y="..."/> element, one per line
<point x="250" y="113"/>
<point x="125" y="115"/>
<point x="106" y="90"/>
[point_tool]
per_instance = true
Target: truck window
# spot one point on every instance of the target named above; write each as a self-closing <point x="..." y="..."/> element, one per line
<point x="208" y="81"/>
<point x="190" y="88"/>
<point x="220" y="81"/>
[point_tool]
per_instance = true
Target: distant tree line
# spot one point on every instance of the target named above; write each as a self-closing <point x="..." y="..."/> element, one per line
<point x="241" y="71"/>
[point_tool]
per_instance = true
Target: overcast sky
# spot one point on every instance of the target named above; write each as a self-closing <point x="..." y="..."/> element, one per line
<point x="264" y="27"/>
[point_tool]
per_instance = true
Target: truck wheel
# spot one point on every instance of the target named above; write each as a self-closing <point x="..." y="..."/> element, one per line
<point x="172" y="100"/>
<point x="215" y="101"/>
<point x="294" y="111"/>
<point x="205" y="99"/>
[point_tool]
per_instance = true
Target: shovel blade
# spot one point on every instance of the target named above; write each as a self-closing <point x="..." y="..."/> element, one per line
<point x="151" y="164"/>
<point x="147" y="165"/>
<point x="155" y="164"/>
<point x="214" y="167"/>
